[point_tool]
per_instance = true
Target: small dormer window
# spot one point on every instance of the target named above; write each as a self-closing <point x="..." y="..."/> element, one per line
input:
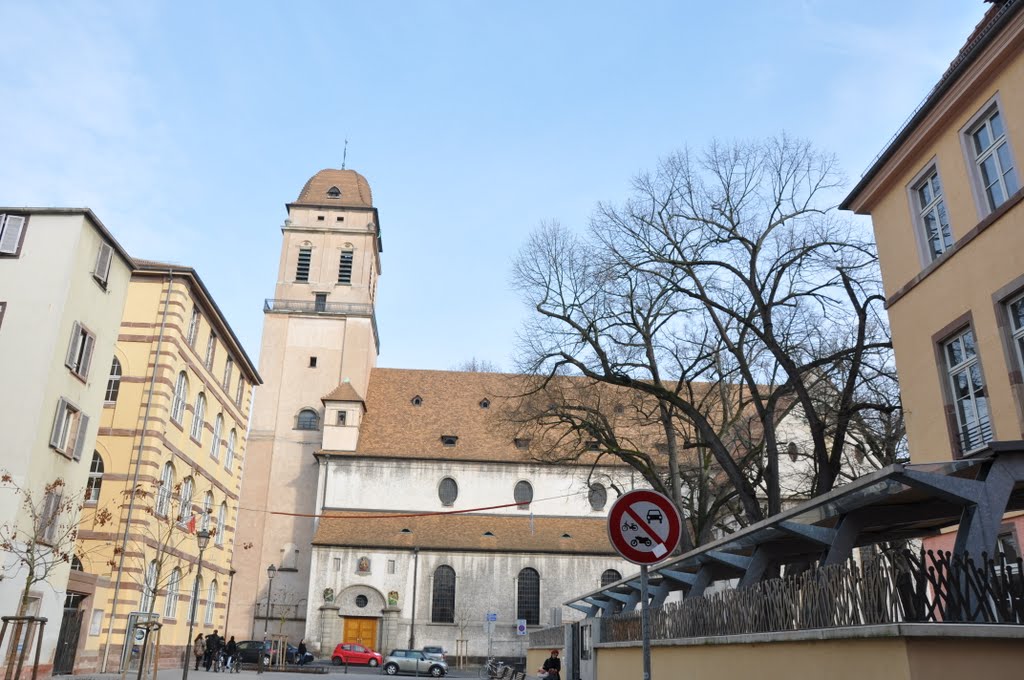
<point x="521" y="443"/>
<point x="342" y="417"/>
<point x="449" y="439"/>
<point x="566" y="536"/>
<point x="485" y="403"/>
<point x="489" y="533"/>
<point x="405" y="531"/>
<point x="417" y="400"/>
<point x="619" y="409"/>
<point x="334" y="192"/>
<point x="592" y="445"/>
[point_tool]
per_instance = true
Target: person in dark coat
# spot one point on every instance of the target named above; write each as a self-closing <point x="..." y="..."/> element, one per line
<point x="213" y="643"/>
<point x="302" y="652"/>
<point x="553" y="666"/>
<point x="232" y="651"/>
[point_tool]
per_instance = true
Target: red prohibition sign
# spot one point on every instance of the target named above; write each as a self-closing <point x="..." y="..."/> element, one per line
<point x="644" y="526"/>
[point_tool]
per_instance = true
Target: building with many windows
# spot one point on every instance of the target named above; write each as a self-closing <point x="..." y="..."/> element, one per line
<point x="173" y="425"/>
<point x="63" y="286"/>
<point x="945" y="199"/>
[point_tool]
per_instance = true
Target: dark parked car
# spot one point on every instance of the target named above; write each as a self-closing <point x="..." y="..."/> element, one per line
<point x="249" y="652"/>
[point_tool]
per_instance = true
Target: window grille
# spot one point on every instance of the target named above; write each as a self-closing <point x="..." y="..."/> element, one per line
<point x="448" y="491"/>
<point x="609" y="577"/>
<point x="523" y="494"/>
<point x="597" y="496"/>
<point x="307" y="420"/>
<point x="442" y="608"/>
<point x="528" y="596"/>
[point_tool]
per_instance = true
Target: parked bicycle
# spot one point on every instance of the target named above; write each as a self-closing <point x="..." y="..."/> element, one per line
<point x="492" y="668"/>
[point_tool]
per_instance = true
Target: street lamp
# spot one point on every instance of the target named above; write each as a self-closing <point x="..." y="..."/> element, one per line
<point x="271" y="573"/>
<point x="203" y="540"/>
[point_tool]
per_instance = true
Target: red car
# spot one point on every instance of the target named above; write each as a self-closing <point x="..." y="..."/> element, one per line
<point x="351" y="653"/>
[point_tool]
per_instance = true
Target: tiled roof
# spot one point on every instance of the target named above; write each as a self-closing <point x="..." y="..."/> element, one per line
<point x="408" y="411"/>
<point x="355" y="190"/>
<point x="343" y="392"/>
<point x="466" y="532"/>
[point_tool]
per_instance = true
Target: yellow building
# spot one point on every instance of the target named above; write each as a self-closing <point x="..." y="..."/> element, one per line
<point x="173" y="428"/>
<point x="945" y="199"/>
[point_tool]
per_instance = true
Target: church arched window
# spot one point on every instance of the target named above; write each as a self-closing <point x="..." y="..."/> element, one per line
<point x="609" y="577"/>
<point x="442" y="608"/>
<point x="528" y="596"/>
<point x="308" y="419"/>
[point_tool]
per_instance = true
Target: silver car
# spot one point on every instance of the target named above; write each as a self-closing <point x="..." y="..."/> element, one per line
<point x="413" y="661"/>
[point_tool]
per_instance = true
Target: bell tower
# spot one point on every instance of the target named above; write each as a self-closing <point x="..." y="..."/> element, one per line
<point x="319" y="333"/>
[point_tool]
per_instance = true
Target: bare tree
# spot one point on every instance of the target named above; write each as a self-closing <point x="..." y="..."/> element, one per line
<point x="727" y="273"/>
<point x="43" y="537"/>
<point x="475" y="365"/>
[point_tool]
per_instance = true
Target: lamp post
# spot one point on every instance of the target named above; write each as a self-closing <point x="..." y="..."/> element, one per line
<point x="203" y="540"/>
<point x="271" y="573"/>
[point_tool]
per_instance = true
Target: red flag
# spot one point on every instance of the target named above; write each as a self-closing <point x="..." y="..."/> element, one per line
<point x="192" y="525"/>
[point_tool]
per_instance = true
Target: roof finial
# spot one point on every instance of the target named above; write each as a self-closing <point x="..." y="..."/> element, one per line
<point x="344" y="156"/>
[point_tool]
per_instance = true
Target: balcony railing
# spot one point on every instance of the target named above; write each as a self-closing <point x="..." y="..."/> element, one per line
<point x="317" y="307"/>
<point x="326" y="308"/>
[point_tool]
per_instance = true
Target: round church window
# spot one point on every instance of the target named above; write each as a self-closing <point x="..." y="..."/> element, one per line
<point x="361" y="601"/>
<point x="448" y="491"/>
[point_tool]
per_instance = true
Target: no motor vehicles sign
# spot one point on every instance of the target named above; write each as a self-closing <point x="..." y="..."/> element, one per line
<point x="644" y="526"/>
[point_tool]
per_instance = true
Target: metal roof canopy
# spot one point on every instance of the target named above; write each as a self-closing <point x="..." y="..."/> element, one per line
<point x="897" y="502"/>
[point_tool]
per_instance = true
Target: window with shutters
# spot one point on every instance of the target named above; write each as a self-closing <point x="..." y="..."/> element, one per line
<point x="180" y="396"/>
<point x="113" y="382"/>
<point x="345" y="267"/>
<point x="197" y="418"/>
<point x="193" y="327"/>
<point x="80" y="349"/>
<point x="229" y="455"/>
<point x="49" y="520"/>
<point x="528" y="596"/>
<point x="229" y="366"/>
<point x="69" y="430"/>
<point x="164" y="491"/>
<point x="12" y="234"/>
<point x="95" y="481"/>
<point x="218" y="427"/>
<point x="302" y="266"/>
<point x="442" y="609"/>
<point x="101" y="271"/>
<point x="211" y="348"/>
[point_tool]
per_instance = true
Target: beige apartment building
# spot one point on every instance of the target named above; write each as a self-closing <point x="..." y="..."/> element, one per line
<point x="63" y="286"/>
<point x="173" y="428"/>
<point x="946" y="203"/>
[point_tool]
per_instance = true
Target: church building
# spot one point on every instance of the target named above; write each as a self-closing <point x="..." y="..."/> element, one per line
<point x="394" y="507"/>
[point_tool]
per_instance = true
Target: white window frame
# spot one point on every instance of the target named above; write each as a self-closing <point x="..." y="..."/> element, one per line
<point x="196" y="431"/>
<point x="113" y="382"/>
<point x="193" y="599"/>
<point x="94" y="484"/>
<point x="163" y="494"/>
<point x="240" y="392"/>
<point x="204" y="523"/>
<point x="180" y="398"/>
<point x="149" y="588"/>
<point x="968" y="365"/>
<point x="218" y="428"/>
<point x="974" y="159"/>
<point x="222" y="519"/>
<point x="70" y="428"/>
<point x="171" y="598"/>
<point x="12" y="230"/>
<point x="211" y="601"/>
<point x="101" y="270"/>
<point x="1016" y="332"/>
<point x="80" y="350"/>
<point x="193" y="327"/>
<point x="229" y="455"/>
<point x="211" y="350"/>
<point x="229" y="365"/>
<point x="188" y="486"/>
<point x="936" y="205"/>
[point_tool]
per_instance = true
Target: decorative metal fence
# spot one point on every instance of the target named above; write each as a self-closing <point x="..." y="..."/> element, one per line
<point x="894" y="587"/>
<point x="548" y="637"/>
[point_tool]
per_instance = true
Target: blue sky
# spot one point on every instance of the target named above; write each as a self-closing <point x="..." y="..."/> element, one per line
<point x="187" y="126"/>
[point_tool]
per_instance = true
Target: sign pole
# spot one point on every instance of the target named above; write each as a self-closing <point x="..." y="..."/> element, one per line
<point x="645" y="622"/>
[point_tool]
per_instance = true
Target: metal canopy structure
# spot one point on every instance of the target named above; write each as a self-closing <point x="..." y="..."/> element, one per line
<point x="900" y="501"/>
